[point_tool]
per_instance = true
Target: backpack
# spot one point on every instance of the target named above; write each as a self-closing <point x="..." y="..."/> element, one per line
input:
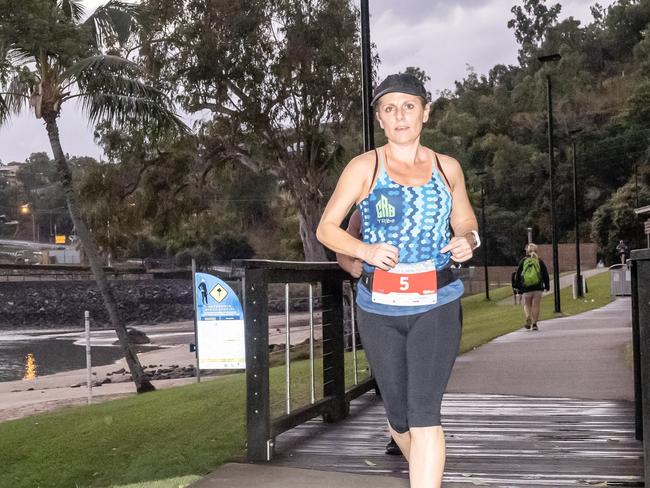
<point x="531" y="273"/>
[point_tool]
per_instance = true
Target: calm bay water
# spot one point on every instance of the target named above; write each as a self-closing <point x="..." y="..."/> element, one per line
<point x="51" y="352"/>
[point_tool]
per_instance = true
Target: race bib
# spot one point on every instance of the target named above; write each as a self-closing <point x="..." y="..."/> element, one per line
<point x="408" y="284"/>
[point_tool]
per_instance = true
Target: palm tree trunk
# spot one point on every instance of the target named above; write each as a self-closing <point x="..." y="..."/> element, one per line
<point x="141" y="381"/>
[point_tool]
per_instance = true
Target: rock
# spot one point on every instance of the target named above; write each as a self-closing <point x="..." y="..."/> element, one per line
<point x="137" y="336"/>
<point x="120" y="371"/>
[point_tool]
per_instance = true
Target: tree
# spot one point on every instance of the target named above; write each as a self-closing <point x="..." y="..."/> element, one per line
<point x="530" y="23"/>
<point x="281" y="79"/>
<point x="53" y="58"/>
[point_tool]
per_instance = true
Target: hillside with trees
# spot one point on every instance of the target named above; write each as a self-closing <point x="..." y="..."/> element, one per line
<point x="276" y="103"/>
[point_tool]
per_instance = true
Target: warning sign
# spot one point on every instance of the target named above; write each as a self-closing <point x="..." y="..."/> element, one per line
<point x="219" y="293"/>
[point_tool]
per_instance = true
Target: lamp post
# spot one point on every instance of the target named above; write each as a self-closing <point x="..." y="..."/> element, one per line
<point x="576" y="215"/>
<point x="366" y="79"/>
<point x="27" y="210"/>
<point x="484" y="240"/>
<point x="556" y="269"/>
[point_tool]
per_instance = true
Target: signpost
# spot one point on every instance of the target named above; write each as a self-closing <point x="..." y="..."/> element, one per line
<point x="219" y="320"/>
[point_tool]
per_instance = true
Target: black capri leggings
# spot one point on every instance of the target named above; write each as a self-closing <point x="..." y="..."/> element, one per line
<point x="411" y="357"/>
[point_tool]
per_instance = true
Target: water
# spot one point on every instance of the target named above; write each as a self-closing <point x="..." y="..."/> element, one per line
<point x="53" y="350"/>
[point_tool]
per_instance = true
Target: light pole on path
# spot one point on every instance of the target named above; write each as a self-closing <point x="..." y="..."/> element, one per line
<point x="484" y="238"/>
<point x="366" y="81"/>
<point x="556" y="267"/>
<point x="576" y="215"/>
<point x="27" y="210"/>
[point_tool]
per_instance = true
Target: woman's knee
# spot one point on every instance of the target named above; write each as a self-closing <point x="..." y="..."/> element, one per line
<point x="426" y="434"/>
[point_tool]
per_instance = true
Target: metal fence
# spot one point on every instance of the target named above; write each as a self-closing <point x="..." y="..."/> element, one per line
<point x="640" y="271"/>
<point x="324" y="393"/>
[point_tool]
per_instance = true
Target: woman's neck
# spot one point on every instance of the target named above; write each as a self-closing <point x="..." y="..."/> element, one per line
<point x="404" y="153"/>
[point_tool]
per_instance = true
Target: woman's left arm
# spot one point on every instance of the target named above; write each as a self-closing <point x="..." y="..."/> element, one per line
<point x="462" y="219"/>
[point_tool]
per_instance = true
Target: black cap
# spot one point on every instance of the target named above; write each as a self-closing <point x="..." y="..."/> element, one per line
<point x="400" y="83"/>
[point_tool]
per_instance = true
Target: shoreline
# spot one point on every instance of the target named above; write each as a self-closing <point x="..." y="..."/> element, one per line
<point x="22" y="398"/>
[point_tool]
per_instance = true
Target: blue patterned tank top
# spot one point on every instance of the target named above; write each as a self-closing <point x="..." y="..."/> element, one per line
<point x="415" y="219"/>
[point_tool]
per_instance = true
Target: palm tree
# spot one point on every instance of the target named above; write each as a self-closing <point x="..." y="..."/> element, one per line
<point x="50" y="56"/>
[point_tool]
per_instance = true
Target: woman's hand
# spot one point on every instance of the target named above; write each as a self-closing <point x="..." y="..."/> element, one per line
<point x="381" y="255"/>
<point x="460" y="249"/>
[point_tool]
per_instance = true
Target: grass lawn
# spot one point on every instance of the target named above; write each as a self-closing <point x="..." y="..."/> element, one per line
<point x="169" y="438"/>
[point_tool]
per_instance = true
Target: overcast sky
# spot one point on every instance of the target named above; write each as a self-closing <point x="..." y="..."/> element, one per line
<point x="441" y="36"/>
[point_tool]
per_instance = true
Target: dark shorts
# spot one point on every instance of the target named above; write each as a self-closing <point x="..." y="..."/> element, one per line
<point x="411" y="357"/>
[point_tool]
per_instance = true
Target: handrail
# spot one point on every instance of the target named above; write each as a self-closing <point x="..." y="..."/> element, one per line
<point x="640" y="270"/>
<point x="257" y="275"/>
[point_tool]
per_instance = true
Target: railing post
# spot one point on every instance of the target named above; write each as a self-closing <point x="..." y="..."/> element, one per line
<point x="258" y="409"/>
<point x="333" y="349"/>
<point x="641" y="336"/>
<point x="638" y="403"/>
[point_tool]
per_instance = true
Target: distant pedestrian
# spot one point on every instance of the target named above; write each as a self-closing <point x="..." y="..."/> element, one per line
<point x="621" y="250"/>
<point x="532" y="280"/>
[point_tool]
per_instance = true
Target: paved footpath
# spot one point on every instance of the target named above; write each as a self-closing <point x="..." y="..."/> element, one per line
<point x="500" y="431"/>
<point x="582" y="356"/>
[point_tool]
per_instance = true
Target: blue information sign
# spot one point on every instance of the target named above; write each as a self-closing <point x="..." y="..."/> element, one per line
<point x="219" y="323"/>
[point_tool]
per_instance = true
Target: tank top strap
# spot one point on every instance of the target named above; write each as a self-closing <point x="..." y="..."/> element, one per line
<point x="379" y="174"/>
<point x="439" y="169"/>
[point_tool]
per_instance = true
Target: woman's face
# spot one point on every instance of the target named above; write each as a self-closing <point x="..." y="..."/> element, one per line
<point x="401" y="116"/>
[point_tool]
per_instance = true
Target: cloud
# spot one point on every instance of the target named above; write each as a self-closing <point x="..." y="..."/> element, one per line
<point x="445" y="38"/>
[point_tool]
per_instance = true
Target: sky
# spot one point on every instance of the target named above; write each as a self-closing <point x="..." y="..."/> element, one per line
<point x="443" y="37"/>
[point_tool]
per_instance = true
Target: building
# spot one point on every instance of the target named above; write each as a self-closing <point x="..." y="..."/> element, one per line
<point x="8" y="172"/>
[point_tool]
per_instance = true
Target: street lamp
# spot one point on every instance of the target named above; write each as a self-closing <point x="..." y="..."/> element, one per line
<point x="549" y="58"/>
<point x="484" y="240"/>
<point x="366" y="79"/>
<point x="27" y="210"/>
<point x="579" y="290"/>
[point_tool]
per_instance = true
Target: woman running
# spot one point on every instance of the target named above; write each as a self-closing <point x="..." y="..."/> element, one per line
<point x="415" y="218"/>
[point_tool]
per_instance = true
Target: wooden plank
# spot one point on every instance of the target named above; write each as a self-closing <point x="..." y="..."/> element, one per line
<point x="492" y="440"/>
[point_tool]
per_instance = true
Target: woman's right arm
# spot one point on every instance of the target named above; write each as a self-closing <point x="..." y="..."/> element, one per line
<point x="351" y="186"/>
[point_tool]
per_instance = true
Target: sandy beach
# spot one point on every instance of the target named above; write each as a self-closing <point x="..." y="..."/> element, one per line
<point x="22" y="398"/>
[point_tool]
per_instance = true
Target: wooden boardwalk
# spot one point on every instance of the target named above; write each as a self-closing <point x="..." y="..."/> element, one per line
<point x="492" y="440"/>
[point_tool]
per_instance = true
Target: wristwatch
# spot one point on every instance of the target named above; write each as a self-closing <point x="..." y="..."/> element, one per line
<point x="474" y="239"/>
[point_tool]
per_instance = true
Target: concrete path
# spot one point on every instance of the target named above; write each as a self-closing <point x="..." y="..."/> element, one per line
<point x="582" y="356"/>
<point x="257" y="475"/>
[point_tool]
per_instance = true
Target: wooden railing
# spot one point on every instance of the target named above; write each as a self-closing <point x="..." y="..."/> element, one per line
<point x="325" y="284"/>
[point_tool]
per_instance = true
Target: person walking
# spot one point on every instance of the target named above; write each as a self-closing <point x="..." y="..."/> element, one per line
<point x="532" y="280"/>
<point x="415" y="219"/>
<point x="621" y="250"/>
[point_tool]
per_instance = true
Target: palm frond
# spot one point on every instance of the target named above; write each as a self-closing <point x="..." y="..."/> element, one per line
<point x="4" y="111"/>
<point x="94" y="65"/>
<point x="113" y="19"/>
<point x="14" y="96"/>
<point x="124" y="111"/>
<point x="20" y="56"/>
<point x="72" y="9"/>
<point x="17" y="95"/>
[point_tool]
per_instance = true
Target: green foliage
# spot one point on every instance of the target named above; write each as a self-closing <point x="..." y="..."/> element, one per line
<point x="201" y="256"/>
<point x="228" y="246"/>
<point x="497" y="123"/>
<point x="531" y="23"/>
<point x="282" y="100"/>
<point x="615" y="219"/>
